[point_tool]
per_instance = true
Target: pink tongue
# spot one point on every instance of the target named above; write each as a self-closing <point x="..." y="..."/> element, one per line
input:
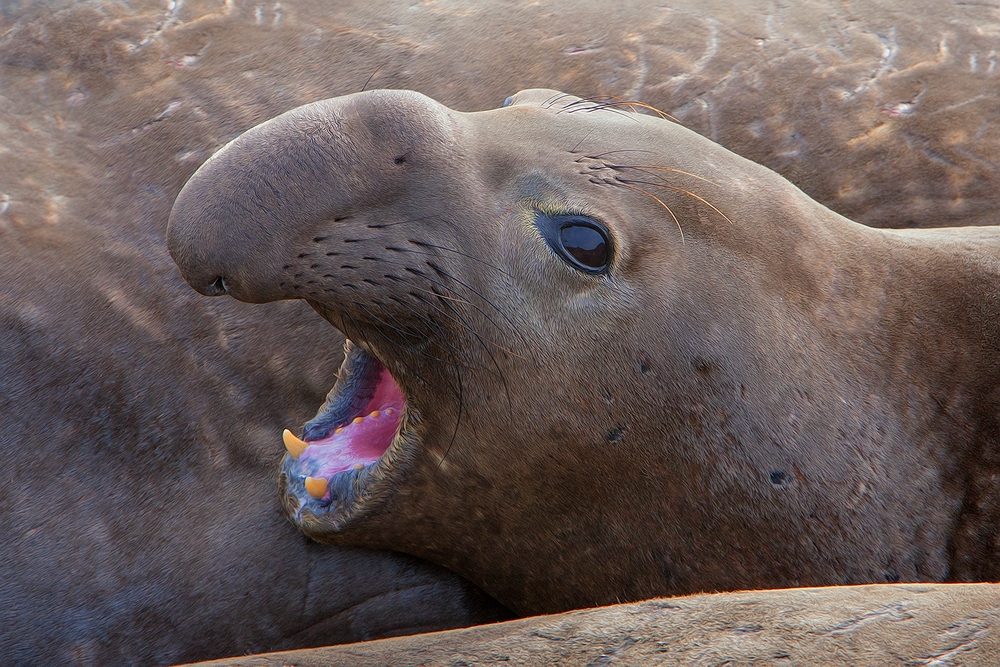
<point x="362" y="443"/>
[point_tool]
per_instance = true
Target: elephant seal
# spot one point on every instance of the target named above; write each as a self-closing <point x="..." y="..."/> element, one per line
<point x="596" y="357"/>
<point x="115" y="379"/>
<point x="895" y="624"/>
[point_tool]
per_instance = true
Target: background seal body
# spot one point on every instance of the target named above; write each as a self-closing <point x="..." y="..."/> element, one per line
<point x="755" y="392"/>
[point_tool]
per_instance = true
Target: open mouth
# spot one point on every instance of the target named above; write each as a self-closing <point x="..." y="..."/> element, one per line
<point x="340" y="447"/>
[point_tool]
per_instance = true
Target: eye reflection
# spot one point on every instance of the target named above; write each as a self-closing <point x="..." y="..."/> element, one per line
<point x="580" y="241"/>
<point x="586" y="245"/>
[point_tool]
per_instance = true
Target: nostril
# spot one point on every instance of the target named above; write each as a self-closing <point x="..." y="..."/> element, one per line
<point x="217" y="288"/>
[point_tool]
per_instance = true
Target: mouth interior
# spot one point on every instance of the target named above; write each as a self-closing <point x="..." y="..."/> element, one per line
<point x="355" y="426"/>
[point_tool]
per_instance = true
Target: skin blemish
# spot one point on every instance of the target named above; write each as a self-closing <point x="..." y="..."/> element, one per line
<point x="616" y="434"/>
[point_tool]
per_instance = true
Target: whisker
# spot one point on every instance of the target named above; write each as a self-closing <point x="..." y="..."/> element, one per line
<point x="642" y="105"/>
<point x="355" y="326"/>
<point x="607" y="101"/>
<point x="424" y="244"/>
<point x="547" y="104"/>
<point x="458" y="418"/>
<point x="404" y="335"/>
<point x="442" y="285"/>
<point x="597" y="107"/>
<point x="620" y="150"/>
<point x="442" y="296"/>
<point x="451" y="350"/>
<point x="658" y="200"/>
<point x="400" y="279"/>
<point x="585" y="137"/>
<point x="405" y="338"/>
<point x="641" y="167"/>
<point x="383" y="225"/>
<point x="471" y="330"/>
<point x="506" y="317"/>
<point x="582" y="100"/>
<point x="429" y="321"/>
<point x="459" y="391"/>
<point x="486" y="349"/>
<point x="372" y="77"/>
<point x="687" y="192"/>
<point x="417" y="272"/>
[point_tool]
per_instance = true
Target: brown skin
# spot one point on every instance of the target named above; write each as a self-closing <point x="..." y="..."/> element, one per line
<point x="874" y="626"/>
<point x="108" y="107"/>
<point x="887" y="115"/>
<point x="138" y="519"/>
<point x="782" y="398"/>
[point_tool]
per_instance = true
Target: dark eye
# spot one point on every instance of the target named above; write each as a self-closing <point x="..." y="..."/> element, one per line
<point x="587" y="246"/>
<point x="582" y="243"/>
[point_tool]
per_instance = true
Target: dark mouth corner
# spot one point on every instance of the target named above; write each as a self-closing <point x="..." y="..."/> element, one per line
<point x="349" y="446"/>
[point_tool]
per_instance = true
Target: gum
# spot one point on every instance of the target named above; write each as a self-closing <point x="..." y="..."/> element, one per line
<point x="363" y="443"/>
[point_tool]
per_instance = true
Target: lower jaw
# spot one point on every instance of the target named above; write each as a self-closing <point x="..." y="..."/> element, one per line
<point x="349" y="492"/>
<point x="344" y="500"/>
<point x="354" y="495"/>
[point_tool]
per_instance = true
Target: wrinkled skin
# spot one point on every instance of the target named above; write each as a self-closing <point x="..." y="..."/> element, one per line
<point x="116" y="377"/>
<point x="757" y="393"/>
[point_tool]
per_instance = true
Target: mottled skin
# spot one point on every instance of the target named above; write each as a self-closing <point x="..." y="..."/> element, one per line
<point x="115" y="376"/>
<point x="780" y="397"/>
<point x="869" y="626"/>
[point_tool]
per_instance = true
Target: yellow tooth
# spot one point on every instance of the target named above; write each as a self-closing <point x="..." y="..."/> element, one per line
<point x="374" y="414"/>
<point x="339" y="431"/>
<point x="358" y="420"/>
<point x="389" y="411"/>
<point x="358" y="467"/>
<point x="294" y="446"/>
<point x="316" y="486"/>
